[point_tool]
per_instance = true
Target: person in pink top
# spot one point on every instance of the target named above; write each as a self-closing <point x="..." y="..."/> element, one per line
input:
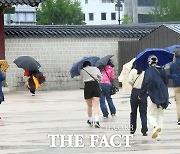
<point x="107" y="77"/>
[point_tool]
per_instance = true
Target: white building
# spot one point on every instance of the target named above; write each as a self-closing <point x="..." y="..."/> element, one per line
<point x="100" y="12"/>
<point x="139" y="10"/>
<point x="24" y="15"/>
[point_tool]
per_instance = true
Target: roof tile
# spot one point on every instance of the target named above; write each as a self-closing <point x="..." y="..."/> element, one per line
<point x="120" y="31"/>
<point x="27" y="2"/>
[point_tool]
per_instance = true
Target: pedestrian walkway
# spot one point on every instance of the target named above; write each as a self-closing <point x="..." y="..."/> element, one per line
<point x="27" y="120"/>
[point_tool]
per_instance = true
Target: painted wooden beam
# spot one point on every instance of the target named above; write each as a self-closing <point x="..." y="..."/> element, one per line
<point x="2" y="39"/>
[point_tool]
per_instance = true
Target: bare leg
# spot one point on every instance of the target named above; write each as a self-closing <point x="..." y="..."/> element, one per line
<point x="96" y="111"/>
<point x="96" y="106"/>
<point x="89" y="107"/>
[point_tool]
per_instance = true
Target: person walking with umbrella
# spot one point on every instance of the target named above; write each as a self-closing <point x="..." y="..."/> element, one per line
<point x="175" y="75"/>
<point x="106" y="66"/>
<point x="32" y="82"/>
<point x="91" y="77"/>
<point x="135" y="79"/>
<point x="31" y="68"/>
<point x="155" y="85"/>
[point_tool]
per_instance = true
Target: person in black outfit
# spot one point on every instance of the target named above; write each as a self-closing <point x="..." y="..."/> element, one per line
<point x="135" y="80"/>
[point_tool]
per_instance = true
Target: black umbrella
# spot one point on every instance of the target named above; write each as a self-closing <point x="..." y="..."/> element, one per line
<point x="27" y="63"/>
<point x="102" y="62"/>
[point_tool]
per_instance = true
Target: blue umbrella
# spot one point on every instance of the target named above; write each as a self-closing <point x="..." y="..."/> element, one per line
<point x="103" y="61"/>
<point x="163" y="56"/>
<point x="75" y="70"/>
<point x="172" y="48"/>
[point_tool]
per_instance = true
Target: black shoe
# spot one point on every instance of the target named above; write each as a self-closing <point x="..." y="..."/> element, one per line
<point x="96" y="124"/>
<point x="144" y="134"/>
<point x="178" y="122"/>
<point x="113" y="115"/>
<point x="90" y="123"/>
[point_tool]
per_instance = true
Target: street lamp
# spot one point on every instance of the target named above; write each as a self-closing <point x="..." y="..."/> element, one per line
<point x="119" y="8"/>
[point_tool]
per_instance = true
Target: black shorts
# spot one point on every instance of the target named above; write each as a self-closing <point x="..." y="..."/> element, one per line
<point x="91" y="89"/>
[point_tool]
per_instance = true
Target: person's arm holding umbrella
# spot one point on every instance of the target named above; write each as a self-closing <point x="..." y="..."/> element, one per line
<point x="26" y="73"/>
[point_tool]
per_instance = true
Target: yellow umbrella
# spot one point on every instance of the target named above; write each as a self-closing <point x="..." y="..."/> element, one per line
<point x="4" y="66"/>
<point x="123" y="77"/>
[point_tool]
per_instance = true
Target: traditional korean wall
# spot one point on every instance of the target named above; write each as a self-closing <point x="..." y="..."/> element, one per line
<point x="56" y="55"/>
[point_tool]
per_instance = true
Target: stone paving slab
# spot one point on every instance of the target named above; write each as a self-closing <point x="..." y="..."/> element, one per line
<point x="27" y="120"/>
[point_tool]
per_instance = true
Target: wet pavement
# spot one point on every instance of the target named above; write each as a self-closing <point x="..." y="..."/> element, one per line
<point x="28" y="120"/>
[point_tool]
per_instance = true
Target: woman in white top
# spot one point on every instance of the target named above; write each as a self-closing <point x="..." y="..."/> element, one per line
<point x="91" y="77"/>
<point x="135" y="80"/>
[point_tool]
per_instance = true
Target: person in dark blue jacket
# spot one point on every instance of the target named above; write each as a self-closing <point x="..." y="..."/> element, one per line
<point x="155" y="86"/>
<point x="2" y="78"/>
<point x="175" y="72"/>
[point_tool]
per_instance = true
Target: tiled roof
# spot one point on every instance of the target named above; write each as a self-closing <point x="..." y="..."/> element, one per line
<point x="174" y="27"/>
<point x="15" y="2"/>
<point x="128" y="31"/>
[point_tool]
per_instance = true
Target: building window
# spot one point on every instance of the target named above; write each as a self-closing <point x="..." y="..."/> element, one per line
<point x="146" y="3"/>
<point x="86" y="1"/>
<point x="103" y="16"/>
<point x="108" y="1"/>
<point x="113" y="16"/>
<point x="144" y="18"/>
<point x="91" y="16"/>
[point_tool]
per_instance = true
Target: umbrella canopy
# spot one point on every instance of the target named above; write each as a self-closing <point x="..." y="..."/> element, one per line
<point x="163" y="56"/>
<point x="27" y="63"/>
<point x="124" y="75"/>
<point x="103" y="61"/>
<point x="172" y="48"/>
<point x="75" y="69"/>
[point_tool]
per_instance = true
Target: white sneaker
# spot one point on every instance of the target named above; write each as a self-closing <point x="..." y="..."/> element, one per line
<point x="156" y="131"/>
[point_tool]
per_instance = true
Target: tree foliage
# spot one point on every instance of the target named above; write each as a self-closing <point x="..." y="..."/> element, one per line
<point x="166" y="10"/>
<point x="126" y="19"/>
<point x="60" y="12"/>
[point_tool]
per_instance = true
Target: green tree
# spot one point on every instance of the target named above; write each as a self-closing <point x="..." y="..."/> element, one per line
<point x="126" y="19"/>
<point x="166" y="10"/>
<point x="60" y="12"/>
